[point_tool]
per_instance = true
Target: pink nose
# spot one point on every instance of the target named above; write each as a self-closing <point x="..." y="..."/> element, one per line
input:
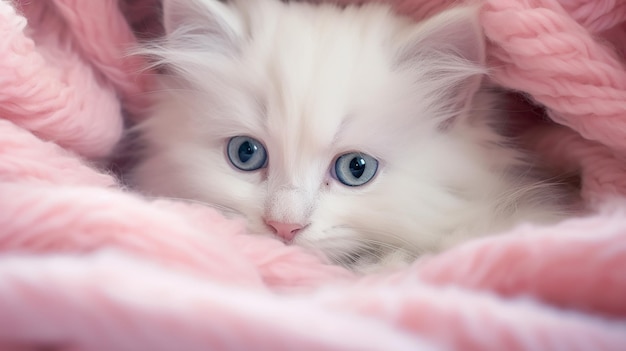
<point x="287" y="231"/>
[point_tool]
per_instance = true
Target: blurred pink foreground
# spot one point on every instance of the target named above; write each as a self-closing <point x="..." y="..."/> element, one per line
<point x="87" y="265"/>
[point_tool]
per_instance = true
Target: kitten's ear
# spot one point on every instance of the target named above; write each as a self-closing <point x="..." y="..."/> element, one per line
<point x="210" y="20"/>
<point x="452" y="46"/>
<point x="452" y="32"/>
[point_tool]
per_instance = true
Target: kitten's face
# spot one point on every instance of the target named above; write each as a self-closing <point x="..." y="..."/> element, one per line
<point x="309" y="121"/>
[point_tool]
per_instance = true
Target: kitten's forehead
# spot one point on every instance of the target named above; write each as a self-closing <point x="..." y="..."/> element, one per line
<point x="317" y="68"/>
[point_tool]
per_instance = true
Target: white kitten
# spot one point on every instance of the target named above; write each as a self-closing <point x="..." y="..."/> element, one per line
<point x="349" y="130"/>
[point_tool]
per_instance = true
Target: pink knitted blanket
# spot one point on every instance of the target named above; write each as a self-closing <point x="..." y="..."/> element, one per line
<point x="88" y="265"/>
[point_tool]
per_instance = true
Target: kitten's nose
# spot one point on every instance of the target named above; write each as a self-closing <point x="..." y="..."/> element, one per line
<point x="286" y="231"/>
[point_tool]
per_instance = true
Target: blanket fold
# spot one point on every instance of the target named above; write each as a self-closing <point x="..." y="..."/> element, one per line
<point x="86" y="264"/>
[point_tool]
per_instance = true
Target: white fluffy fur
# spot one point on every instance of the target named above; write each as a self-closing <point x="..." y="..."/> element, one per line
<point x="312" y="82"/>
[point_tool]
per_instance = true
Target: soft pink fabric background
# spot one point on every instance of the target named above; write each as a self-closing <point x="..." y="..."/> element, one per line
<point x="85" y="264"/>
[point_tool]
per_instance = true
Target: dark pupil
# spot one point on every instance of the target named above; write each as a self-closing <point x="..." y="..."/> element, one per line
<point x="357" y="167"/>
<point x="246" y="151"/>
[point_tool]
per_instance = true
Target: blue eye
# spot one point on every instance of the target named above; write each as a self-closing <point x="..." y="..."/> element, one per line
<point x="247" y="154"/>
<point x="355" y="169"/>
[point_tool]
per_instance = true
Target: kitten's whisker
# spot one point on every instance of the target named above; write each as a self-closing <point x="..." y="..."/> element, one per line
<point x="517" y="193"/>
<point x="345" y="258"/>
<point x="383" y="249"/>
<point x="362" y="250"/>
<point x="378" y="243"/>
<point x="409" y="245"/>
